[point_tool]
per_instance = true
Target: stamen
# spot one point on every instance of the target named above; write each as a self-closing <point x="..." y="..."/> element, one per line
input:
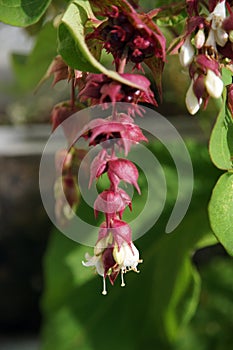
<point x="122" y="279"/>
<point x="135" y="270"/>
<point x="104" y="287"/>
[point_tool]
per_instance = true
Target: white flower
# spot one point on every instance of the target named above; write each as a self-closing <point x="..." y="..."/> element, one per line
<point x="213" y="84"/>
<point x="127" y="257"/>
<point x="186" y="52"/>
<point x="110" y="260"/>
<point x="192" y="102"/>
<point x="217" y="17"/>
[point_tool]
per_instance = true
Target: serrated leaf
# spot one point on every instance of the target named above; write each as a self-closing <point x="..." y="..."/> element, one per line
<point x="29" y="69"/>
<point x="221" y="140"/>
<point x="221" y="211"/>
<point x="22" y="13"/>
<point x="73" y="47"/>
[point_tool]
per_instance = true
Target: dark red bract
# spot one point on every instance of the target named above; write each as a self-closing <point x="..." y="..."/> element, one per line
<point x="101" y="89"/>
<point x="129" y="33"/>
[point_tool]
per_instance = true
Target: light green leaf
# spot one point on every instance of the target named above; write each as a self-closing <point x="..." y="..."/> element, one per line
<point x="72" y="44"/>
<point x="22" y="13"/>
<point x="221" y="211"/>
<point x="29" y="69"/>
<point x="226" y="76"/>
<point x="221" y="140"/>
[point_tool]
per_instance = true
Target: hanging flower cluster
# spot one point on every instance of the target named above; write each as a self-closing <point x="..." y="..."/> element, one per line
<point x="206" y="46"/>
<point x="128" y="38"/>
<point x="114" y="251"/>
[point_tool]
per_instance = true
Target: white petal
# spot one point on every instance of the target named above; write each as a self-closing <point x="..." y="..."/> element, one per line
<point x="95" y="261"/>
<point x="127" y="256"/>
<point x="99" y="268"/>
<point x="221" y="37"/>
<point x="220" y="10"/>
<point x="131" y="256"/>
<point x="119" y="254"/>
<point x="91" y="260"/>
<point x="186" y="53"/>
<point x="211" y="39"/>
<point x="213" y="84"/>
<point x="192" y="103"/>
<point x="102" y="244"/>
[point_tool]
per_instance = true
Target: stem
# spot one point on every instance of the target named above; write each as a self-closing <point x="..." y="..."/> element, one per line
<point x="72" y="99"/>
<point x="120" y="70"/>
<point x="114" y="112"/>
<point x="123" y="61"/>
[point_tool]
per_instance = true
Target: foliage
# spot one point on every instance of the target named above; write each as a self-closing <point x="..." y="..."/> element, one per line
<point x="153" y="309"/>
<point x="22" y="13"/>
<point x="211" y="327"/>
<point x="44" y="50"/>
<point x="221" y="150"/>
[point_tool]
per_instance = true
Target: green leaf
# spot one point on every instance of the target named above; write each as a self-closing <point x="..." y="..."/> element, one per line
<point x="221" y="140"/>
<point x="29" y="69"/>
<point x="221" y="211"/>
<point x="226" y="76"/>
<point x="22" y="13"/>
<point x="73" y="47"/>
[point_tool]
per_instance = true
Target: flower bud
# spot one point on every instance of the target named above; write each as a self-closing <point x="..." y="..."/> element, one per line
<point x="213" y="84"/>
<point x="186" y="53"/>
<point x="67" y="197"/>
<point x="192" y="102"/>
<point x="199" y="39"/>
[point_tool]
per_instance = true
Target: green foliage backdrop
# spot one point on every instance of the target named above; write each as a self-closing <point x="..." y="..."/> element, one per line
<point x="154" y="307"/>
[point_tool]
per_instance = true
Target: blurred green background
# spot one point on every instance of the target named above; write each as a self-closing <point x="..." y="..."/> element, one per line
<point x="182" y="298"/>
